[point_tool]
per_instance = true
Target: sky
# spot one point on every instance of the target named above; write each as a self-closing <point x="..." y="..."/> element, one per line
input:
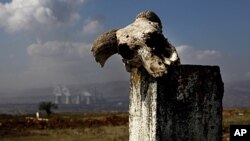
<point x="48" y="42"/>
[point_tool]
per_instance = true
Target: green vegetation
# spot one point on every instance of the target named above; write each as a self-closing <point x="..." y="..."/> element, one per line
<point x="47" y="107"/>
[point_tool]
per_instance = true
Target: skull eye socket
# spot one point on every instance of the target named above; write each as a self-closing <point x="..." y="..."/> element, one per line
<point x="159" y="44"/>
<point x="155" y="40"/>
<point x="125" y="51"/>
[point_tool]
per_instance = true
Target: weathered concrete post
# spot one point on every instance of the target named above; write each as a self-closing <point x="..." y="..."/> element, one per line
<point x="183" y="105"/>
<point x="168" y="101"/>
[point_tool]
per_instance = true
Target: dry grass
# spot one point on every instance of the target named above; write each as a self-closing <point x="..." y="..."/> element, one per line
<point x="117" y="133"/>
<point x="89" y="126"/>
<point x="66" y="127"/>
<point x="234" y="116"/>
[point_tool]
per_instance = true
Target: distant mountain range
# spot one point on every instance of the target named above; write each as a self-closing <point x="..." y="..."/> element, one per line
<point x="111" y="91"/>
<point x="237" y="94"/>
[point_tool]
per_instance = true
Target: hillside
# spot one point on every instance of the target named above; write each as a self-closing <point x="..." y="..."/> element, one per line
<point x="237" y="94"/>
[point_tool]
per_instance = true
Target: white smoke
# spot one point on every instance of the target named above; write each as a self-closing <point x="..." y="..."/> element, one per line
<point x="65" y="91"/>
<point x="57" y="91"/>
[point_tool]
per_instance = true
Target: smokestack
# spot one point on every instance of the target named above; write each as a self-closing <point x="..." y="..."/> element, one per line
<point x="58" y="99"/>
<point x="87" y="97"/>
<point x="78" y="99"/>
<point x="88" y="100"/>
<point x="68" y="99"/>
<point x="58" y="94"/>
<point x="66" y="92"/>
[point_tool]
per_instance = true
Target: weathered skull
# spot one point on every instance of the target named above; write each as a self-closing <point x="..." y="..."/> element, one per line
<point x="140" y="44"/>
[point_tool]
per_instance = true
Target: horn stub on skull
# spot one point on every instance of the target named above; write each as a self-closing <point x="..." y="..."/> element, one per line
<point x="151" y="16"/>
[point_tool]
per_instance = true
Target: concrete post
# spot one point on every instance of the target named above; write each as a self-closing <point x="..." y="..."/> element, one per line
<point x="183" y="105"/>
<point x="168" y="101"/>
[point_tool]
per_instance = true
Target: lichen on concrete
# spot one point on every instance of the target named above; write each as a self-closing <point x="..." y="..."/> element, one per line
<point x="158" y="114"/>
<point x="142" y="111"/>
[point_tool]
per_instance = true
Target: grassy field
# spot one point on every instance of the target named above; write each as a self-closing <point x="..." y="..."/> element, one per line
<point x="234" y="116"/>
<point x="116" y="133"/>
<point x="87" y="126"/>
<point x="65" y="127"/>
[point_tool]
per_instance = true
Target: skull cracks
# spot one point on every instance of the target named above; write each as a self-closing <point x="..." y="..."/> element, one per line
<point x="141" y="44"/>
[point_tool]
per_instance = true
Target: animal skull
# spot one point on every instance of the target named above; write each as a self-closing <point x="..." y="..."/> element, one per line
<point x="140" y="44"/>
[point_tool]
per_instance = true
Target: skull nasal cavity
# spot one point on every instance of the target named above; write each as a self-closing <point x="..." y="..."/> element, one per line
<point x="125" y="51"/>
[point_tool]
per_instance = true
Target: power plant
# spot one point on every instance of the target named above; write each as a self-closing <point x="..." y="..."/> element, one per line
<point x="63" y="95"/>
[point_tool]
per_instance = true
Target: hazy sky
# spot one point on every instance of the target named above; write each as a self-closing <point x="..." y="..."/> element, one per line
<point x="46" y="42"/>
